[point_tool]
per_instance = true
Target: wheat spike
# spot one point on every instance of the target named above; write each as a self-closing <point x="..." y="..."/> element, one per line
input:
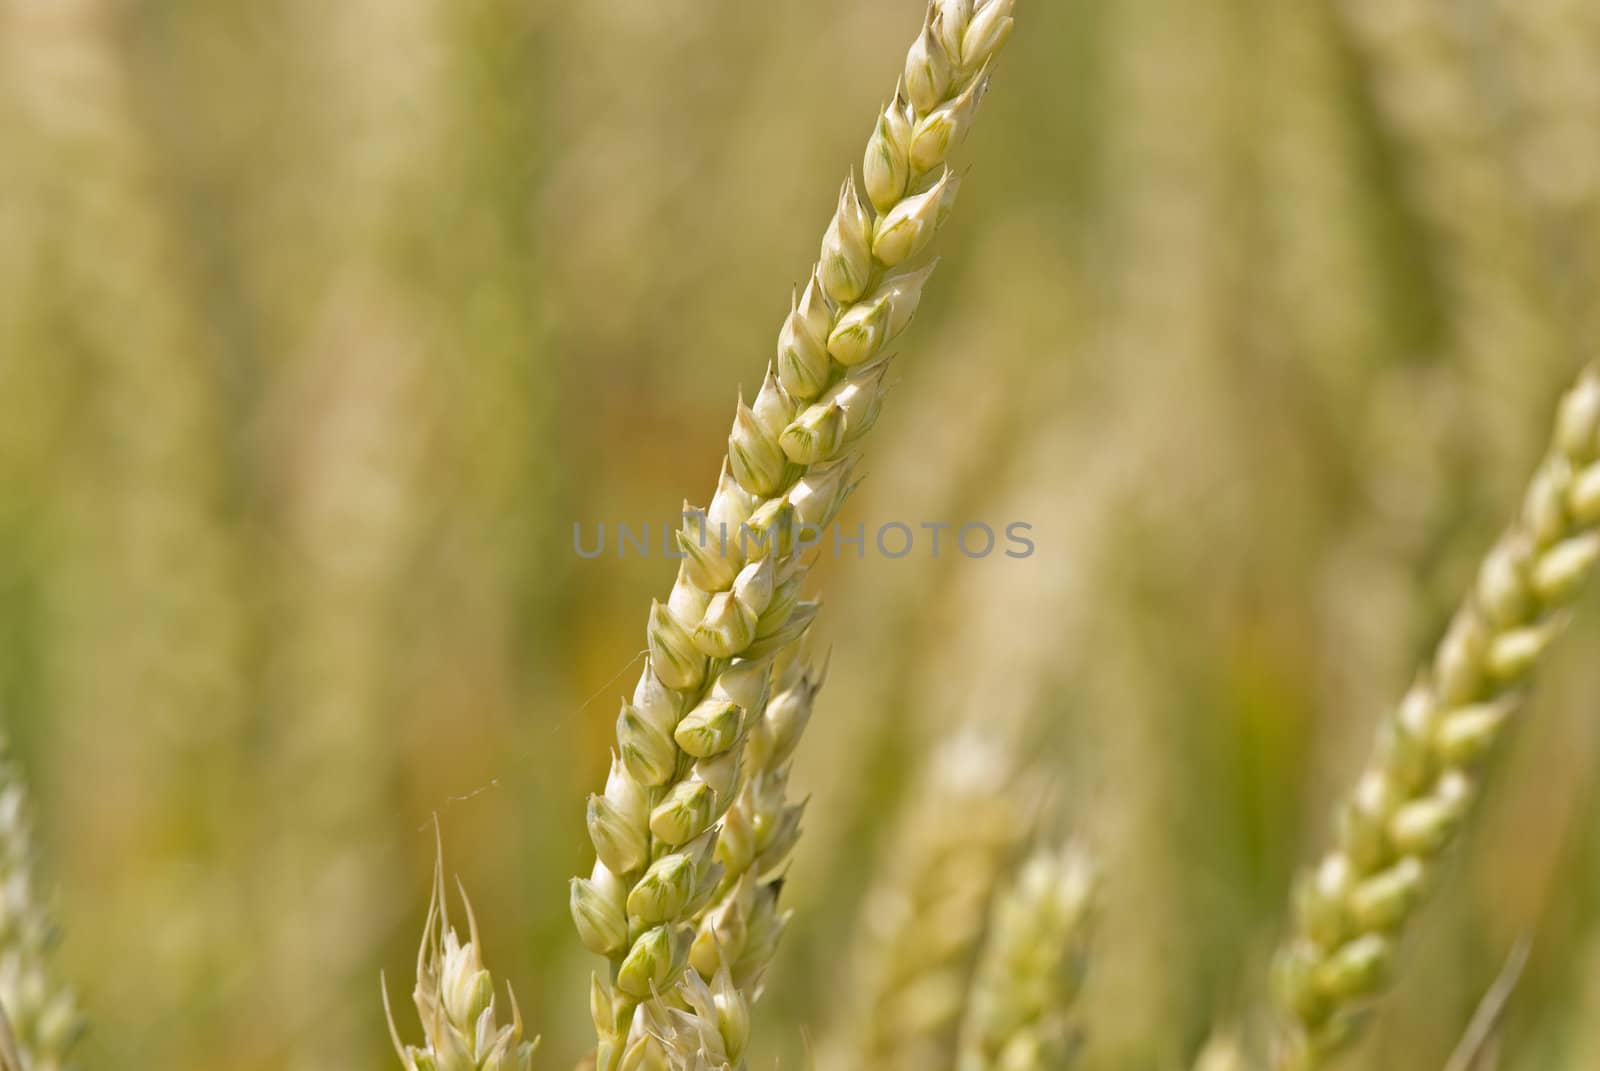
<point x="925" y="918"/>
<point x="735" y="607"/>
<point x="456" y="1000"/>
<point x="1031" y="967"/>
<point x="1420" y="781"/>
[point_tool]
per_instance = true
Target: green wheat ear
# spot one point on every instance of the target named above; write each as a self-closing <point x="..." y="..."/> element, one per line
<point x="677" y="882"/>
<point x="1032" y="967"/>
<point x="1420" y="781"/>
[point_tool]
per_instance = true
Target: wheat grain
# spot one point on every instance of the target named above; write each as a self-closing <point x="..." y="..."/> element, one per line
<point x="1419" y="783"/>
<point x="456" y="1000"/>
<point x="1031" y="967"/>
<point x="735" y="605"/>
<point x="43" y="1014"/>
<point x="757" y="835"/>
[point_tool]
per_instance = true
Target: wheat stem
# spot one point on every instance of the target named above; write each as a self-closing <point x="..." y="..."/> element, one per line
<point x="1421" y="62"/>
<point x="735" y="608"/>
<point x="1478" y="1047"/>
<point x="1550" y="52"/>
<point x="1420" y="781"/>
<point x="142" y="515"/>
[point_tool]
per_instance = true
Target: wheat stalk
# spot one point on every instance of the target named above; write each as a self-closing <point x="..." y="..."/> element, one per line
<point x="455" y="1000"/>
<point x="1318" y="214"/>
<point x="735" y="605"/>
<point x="43" y="1015"/>
<point x="1479" y="1047"/>
<point x="1031" y="967"/>
<point x="1581" y="1048"/>
<point x="1497" y="289"/>
<point x="1172" y="271"/>
<point x="143" y="521"/>
<point x="361" y="386"/>
<point x="1420" y="781"/>
<point x="1550" y="51"/>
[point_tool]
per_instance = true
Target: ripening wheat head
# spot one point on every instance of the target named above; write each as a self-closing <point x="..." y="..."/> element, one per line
<point x="1031" y="967"/>
<point x="1418" y="786"/>
<point x="667" y="866"/>
<point x="925" y="917"/>
<point x="456" y="1001"/>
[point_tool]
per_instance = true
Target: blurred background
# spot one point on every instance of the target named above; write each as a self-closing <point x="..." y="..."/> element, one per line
<point x="322" y="324"/>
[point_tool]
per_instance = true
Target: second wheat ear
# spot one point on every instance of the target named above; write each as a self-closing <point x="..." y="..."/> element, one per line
<point x="462" y="1027"/>
<point x="667" y="866"/>
<point x="1031" y="967"/>
<point x="1420" y="782"/>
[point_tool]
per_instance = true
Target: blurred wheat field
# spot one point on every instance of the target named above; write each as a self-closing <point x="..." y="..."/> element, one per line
<point x="322" y="326"/>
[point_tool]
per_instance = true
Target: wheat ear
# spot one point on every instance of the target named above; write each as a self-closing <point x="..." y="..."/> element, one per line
<point x="43" y="1015"/>
<point x="735" y="604"/>
<point x="456" y="1000"/>
<point x="1031" y="967"/>
<point x="926" y="915"/>
<point x="1420" y="781"/>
